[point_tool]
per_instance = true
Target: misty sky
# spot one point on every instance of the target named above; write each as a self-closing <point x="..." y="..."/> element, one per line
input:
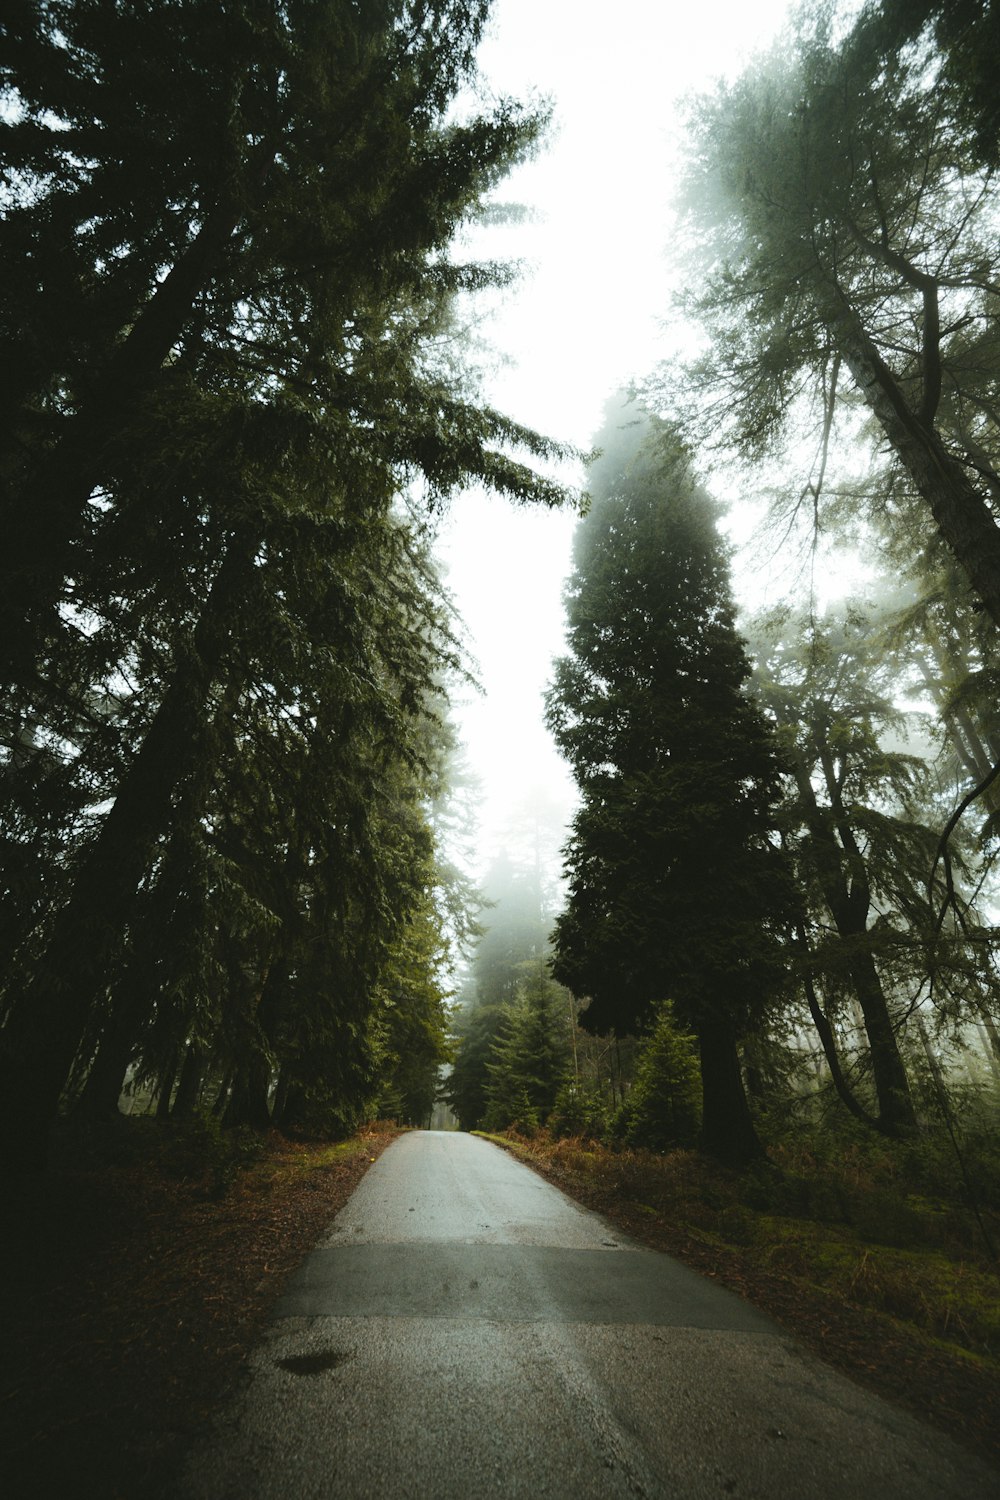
<point x="587" y="318"/>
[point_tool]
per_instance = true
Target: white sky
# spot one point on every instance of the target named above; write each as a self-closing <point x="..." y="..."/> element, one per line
<point x="585" y="320"/>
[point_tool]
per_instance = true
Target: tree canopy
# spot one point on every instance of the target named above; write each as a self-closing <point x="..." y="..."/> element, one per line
<point x="230" y="403"/>
<point x="842" y="254"/>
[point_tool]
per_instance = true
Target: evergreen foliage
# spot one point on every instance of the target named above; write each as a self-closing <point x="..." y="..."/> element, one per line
<point x="662" y="1110"/>
<point x="511" y="940"/>
<point x="229" y="397"/>
<point x="529" y="1056"/>
<point x="580" y="1109"/>
<point x="676" y="886"/>
<point x="843" y="239"/>
<point x="861" y="822"/>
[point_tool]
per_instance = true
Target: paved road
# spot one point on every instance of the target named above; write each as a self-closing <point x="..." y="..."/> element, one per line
<point x="465" y="1330"/>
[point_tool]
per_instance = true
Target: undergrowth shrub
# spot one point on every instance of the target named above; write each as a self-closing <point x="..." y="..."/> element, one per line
<point x="662" y="1110"/>
<point x="198" y="1149"/>
<point x="515" y="1113"/>
<point x="579" y="1111"/>
<point x="894" y="1193"/>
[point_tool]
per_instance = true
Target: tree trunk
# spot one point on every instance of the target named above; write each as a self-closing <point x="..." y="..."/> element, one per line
<point x="166" y="1086"/>
<point x="248" y="1102"/>
<point x="222" y="1097"/>
<point x="977" y="758"/>
<point x="48" y="1018"/>
<point x="103" y="1086"/>
<point x="727" y="1129"/>
<point x="962" y="514"/>
<point x="849" y="907"/>
<point x="189" y="1084"/>
<point x="829" y="1043"/>
<point x="279" y="1105"/>
<point x="933" y="1061"/>
<point x="292" y="1102"/>
<point x="990" y="1035"/>
<point x="896" y="1115"/>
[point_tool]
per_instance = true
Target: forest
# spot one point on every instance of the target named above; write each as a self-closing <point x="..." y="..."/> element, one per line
<point x="235" y="405"/>
<point x="747" y="1003"/>
<point x="231" y="410"/>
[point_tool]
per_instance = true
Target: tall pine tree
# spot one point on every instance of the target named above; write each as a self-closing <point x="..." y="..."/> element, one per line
<point x="227" y="231"/>
<point x="675" y="884"/>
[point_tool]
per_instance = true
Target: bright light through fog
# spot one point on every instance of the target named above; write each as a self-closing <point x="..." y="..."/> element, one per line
<point x="587" y="318"/>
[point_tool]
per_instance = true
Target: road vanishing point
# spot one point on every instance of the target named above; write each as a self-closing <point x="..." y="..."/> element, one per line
<point x="464" y="1329"/>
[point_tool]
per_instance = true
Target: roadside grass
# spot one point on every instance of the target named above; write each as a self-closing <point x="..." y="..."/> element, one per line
<point x="885" y="1278"/>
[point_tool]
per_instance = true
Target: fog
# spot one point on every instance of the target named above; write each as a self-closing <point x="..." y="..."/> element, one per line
<point x="590" y="315"/>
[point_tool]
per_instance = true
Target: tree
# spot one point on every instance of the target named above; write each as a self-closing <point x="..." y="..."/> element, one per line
<point x="513" y="930"/>
<point x="224" y="374"/>
<point x="844" y="245"/>
<point x="244" y="216"/>
<point x="529" y="1055"/>
<point x="413" y="1022"/>
<point x="474" y="1029"/>
<point x="861" y="822"/>
<point x="967" y="34"/>
<point x="662" y="1110"/>
<point x="511" y="942"/>
<point x="294" y="926"/>
<point x="675" y="885"/>
<point x="861" y="848"/>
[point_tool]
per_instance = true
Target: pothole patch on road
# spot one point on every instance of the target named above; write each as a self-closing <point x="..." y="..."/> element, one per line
<point x="312" y="1364"/>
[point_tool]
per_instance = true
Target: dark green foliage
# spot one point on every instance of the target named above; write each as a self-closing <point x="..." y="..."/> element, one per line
<point x="580" y="1110"/>
<point x="843" y="238"/>
<point x="676" y="885"/>
<point x="200" y="1150"/>
<point x="842" y="229"/>
<point x="474" y="1030"/>
<point x="853" y="823"/>
<point x="511" y="940"/>
<point x="412" y="1022"/>
<point x="662" y="1110"/>
<point x="880" y="930"/>
<point x="224" y="323"/>
<point x="242" y="219"/>
<point x="529" y="1056"/>
<point x="967" y="35"/>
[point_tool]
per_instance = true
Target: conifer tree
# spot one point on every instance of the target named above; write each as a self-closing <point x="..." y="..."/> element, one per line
<point x="843" y="234"/>
<point x="225" y="359"/>
<point x="860" y="844"/>
<point x="510" y="942"/>
<point x="662" y="1108"/>
<point x="861" y="821"/>
<point x="529" y="1055"/>
<point x="675" y="885"/>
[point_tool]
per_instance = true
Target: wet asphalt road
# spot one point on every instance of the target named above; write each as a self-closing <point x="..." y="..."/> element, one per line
<point x="465" y="1330"/>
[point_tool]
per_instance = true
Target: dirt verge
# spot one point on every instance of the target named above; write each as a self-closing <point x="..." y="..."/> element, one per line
<point x="130" y="1300"/>
<point x="958" y="1394"/>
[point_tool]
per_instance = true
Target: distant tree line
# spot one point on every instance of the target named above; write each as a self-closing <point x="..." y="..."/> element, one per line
<point x="230" y="401"/>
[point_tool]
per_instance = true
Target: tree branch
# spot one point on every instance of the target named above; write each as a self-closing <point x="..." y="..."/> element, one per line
<point x="942" y="848"/>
